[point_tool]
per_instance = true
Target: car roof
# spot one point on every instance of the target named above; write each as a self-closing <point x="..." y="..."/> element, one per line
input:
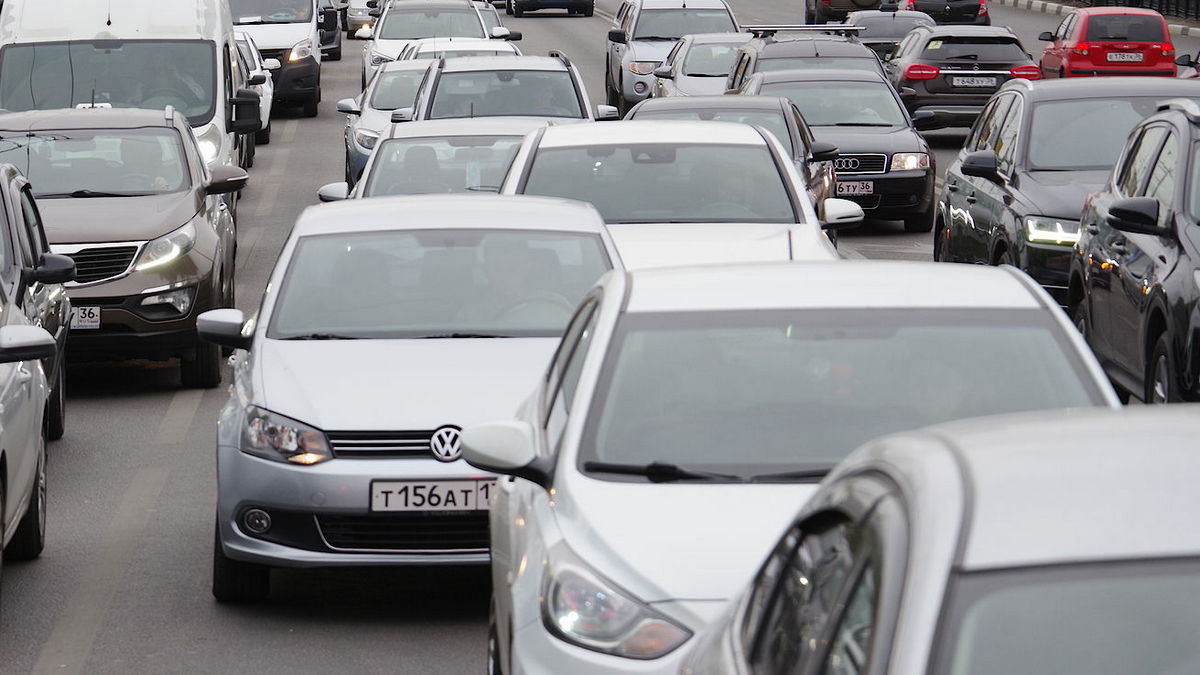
<point x="426" y="212"/>
<point x="1111" y="87"/>
<point x="39" y="21"/>
<point x="714" y="102"/>
<point x="664" y="131"/>
<point x="418" y="5"/>
<point x="842" y="284"/>
<point x="475" y="126"/>
<point x="900" y="13"/>
<point x="407" y="64"/>
<point x="819" y="75"/>
<point x="1118" y="10"/>
<point x="815" y="45"/>
<point x="461" y="64"/>
<point x="90" y="118"/>
<point x="710" y="38"/>
<point x="966" y="31"/>
<point x="683" y="4"/>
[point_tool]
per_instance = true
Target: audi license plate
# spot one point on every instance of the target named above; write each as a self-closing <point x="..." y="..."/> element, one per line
<point x="973" y="81"/>
<point x="856" y="187"/>
<point x="85" y="318"/>
<point x="432" y="495"/>
<point x="1125" y="57"/>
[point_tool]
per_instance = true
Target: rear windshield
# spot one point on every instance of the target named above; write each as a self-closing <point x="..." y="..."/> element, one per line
<point x="771" y="120"/>
<point x="867" y="63"/>
<point x="889" y="27"/>
<point x="711" y="60"/>
<point x="974" y="49"/>
<point x="414" y="24"/>
<point x="672" y="24"/>
<point x="500" y="93"/>
<point x="1132" y="27"/>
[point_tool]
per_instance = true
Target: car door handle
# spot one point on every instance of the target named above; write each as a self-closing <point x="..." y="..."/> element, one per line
<point x="1118" y="248"/>
<point x="1093" y="228"/>
<point x="952" y="187"/>
<point x="971" y="199"/>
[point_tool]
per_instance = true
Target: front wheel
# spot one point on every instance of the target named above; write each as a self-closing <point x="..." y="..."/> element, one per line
<point x="263" y="136"/>
<point x="234" y="581"/>
<point x="335" y="54"/>
<point x="517" y="11"/>
<point x="56" y="416"/>
<point x="203" y="371"/>
<point x="590" y="9"/>
<point x="921" y="222"/>
<point x="1161" y="384"/>
<point x="309" y="109"/>
<point x="30" y="538"/>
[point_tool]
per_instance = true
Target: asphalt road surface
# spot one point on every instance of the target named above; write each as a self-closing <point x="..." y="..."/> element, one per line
<point x="123" y="585"/>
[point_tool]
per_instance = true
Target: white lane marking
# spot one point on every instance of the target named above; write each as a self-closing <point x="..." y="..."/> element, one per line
<point x="174" y="425"/>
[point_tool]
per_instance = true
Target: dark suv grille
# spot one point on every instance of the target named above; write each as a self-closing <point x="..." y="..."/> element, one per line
<point x="380" y="444"/>
<point x="415" y="531"/>
<point x="96" y="264"/>
<point x="850" y="164"/>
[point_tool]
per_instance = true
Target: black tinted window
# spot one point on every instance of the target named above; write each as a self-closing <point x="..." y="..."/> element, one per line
<point x="1132" y="27"/>
<point x="974" y="49"/>
<point x="1083" y="134"/>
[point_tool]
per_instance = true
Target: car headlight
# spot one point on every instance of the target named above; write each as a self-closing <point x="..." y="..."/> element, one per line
<point x="378" y="59"/>
<point x="210" y="144"/>
<point x="180" y="300"/>
<point x="643" y="67"/>
<point x="366" y="139"/>
<point x="909" y="161"/>
<point x="300" y="50"/>
<point x="167" y="248"/>
<point x="283" y="439"/>
<point x="580" y="607"/>
<point x="1047" y="230"/>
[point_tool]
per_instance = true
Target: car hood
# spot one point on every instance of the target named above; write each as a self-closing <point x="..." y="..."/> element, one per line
<point x="650" y="50"/>
<point x="374" y="120"/>
<point x="668" y="244"/>
<point x="700" y="86"/>
<point x="872" y="139"/>
<point x="107" y="219"/>
<point x="276" y="35"/>
<point x="1060" y="193"/>
<point x="677" y="541"/>
<point x="388" y="385"/>
<point x="389" y="48"/>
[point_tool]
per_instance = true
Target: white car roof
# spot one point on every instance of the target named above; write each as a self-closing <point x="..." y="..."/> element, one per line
<point x="409" y="64"/>
<point x="476" y="126"/>
<point x="23" y="21"/>
<point x="425" y="212"/>
<point x="830" y="285"/>
<point x="449" y="44"/>
<point x="684" y="4"/>
<point x="502" y="62"/>
<point x="657" y="131"/>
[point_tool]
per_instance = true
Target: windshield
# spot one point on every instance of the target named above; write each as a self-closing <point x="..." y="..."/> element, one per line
<point x="1083" y="134"/>
<point x="889" y="27"/>
<point x="709" y="60"/>
<point x="460" y="164"/>
<point x="771" y="120"/>
<point x="396" y="89"/>
<point x="247" y="53"/>
<point x="974" y="49"/>
<point x="1130" y="27"/>
<point x="825" y="104"/>
<point x="271" y="11"/>
<point x="672" y="24"/>
<point x="110" y="74"/>
<point x="749" y="392"/>
<point x="870" y="65"/>
<point x="414" y="24"/>
<point x="436" y="283"/>
<point x="76" y="163"/>
<point x="664" y="182"/>
<point x="500" y="93"/>
<point x="491" y="19"/>
<point x="1097" y="619"/>
<point x="450" y="52"/>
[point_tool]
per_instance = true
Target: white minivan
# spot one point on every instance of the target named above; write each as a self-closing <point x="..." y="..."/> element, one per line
<point x="289" y="30"/>
<point x="131" y="54"/>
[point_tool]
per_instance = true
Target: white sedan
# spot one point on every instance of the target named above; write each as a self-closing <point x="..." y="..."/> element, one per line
<point x="260" y="71"/>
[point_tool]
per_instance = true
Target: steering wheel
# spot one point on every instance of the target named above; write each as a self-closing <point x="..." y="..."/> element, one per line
<point x="545" y="299"/>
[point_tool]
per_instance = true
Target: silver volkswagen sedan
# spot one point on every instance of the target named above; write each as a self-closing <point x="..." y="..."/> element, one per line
<point x="377" y="341"/>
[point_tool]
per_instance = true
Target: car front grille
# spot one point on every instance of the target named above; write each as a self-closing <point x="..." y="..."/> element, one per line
<point x="380" y="444"/>
<point x="853" y="164"/>
<point x="98" y="264"/>
<point x="414" y="531"/>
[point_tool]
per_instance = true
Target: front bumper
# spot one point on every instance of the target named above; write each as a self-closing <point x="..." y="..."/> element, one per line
<point x="1050" y="266"/>
<point x="635" y="88"/>
<point x="357" y="158"/>
<point x="897" y="194"/>
<point x="957" y="111"/>
<point x="298" y="81"/>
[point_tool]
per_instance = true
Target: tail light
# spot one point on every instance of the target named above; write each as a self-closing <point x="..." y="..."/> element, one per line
<point x="1029" y="72"/>
<point x="910" y="4"/>
<point x="921" y="71"/>
<point x="1082" y="48"/>
<point x="983" y="8"/>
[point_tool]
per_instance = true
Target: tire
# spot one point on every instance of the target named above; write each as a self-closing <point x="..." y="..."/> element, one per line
<point x="590" y="9"/>
<point x="939" y="245"/>
<point x="508" y="9"/>
<point x="611" y="97"/>
<point x="204" y="370"/>
<point x="1004" y="259"/>
<point x="263" y="137"/>
<point x="1161" y="382"/>
<point x="922" y="222"/>
<point x="30" y="537"/>
<point x="252" y="153"/>
<point x="335" y="54"/>
<point x="309" y="108"/>
<point x="494" y="664"/>
<point x="234" y="581"/>
<point x="517" y="11"/>
<point x="1081" y="318"/>
<point x="56" y="416"/>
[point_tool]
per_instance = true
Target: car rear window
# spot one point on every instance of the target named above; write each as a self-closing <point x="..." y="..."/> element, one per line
<point x="974" y="49"/>
<point x="1132" y="27"/>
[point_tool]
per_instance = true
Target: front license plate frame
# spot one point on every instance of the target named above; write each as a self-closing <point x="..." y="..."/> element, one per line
<point x="85" y="318"/>
<point x="974" y="82"/>
<point x="434" y="494"/>
<point x="855" y="187"/>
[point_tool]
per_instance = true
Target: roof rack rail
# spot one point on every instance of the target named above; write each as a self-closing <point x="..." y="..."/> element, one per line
<point x="769" y="30"/>
<point x="558" y="54"/>
<point x="1187" y="106"/>
<point x="169" y="113"/>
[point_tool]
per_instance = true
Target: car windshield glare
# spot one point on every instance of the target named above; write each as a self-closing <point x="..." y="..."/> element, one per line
<point x="665" y="182"/>
<point x="1130" y="27"/>
<point x="80" y="163"/>
<point x="709" y="60"/>
<point x="414" y="24"/>
<point x="396" y="89"/>
<point x="110" y="74"/>
<point x="436" y="283"/>
<point x="974" y="49"/>
<point x="1055" y="619"/>
<point x="842" y="103"/>
<point x="771" y="120"/>
<point x="271" y="11"/>
<point x="758" y="391"/>
<point x="462" y="164"/>
<point x="506" y="93"/>
<point x="672" y="24"/>
<point x="1083" y="134"/>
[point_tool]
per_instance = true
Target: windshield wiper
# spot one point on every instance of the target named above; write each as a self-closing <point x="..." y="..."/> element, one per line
<point x="454" y="336"/>
<point x="483" y="188"/>
<point x="87" y="194"/>
<point x="659" y="472"/>
<point x="654" y="37"/>
<point x="321" y="336"/>
<point x="707" y="74"/>
<point x="789" y="476"/>
<point x="857" y="124"/>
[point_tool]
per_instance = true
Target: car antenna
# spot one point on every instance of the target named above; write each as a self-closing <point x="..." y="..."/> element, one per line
<point x="472" y="109"/>
<point x="108" y="21"/>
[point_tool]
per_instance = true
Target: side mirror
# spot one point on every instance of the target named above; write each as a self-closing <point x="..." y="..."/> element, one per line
<point x="257" y="79"/>
<point x="513" y="36"/>
<point x="271" y="64"/>
<point x="928" y="120"/>
<point x="333" y="192"/>
<point x="403" y="115"/>
<point x="822" y="152"/>
<point x="499" y="33"/>
<point x="907" y="91"/>
<point x="664" y="72"/>
<point x="841" y="214"/>
<point x="375" y="13"/>
<point x="1046" y="36"/>
<point x="226" y="179"/>
<point x="225" y="327"/>
<point x="372" y="4"/>
<point x="348" y="106"/>
<point x="1138" y="215"/>
<point x="505" y="448"/>
<point x="329" y="20"/>
<point x="982" y="164"/>
<point x="607" y="112"/>
<point x="26" y="343"/>
<point x="364" y="33"/>
<point x="54" y="269"/>
<point x="1185" y="61"/>
<point x="617" y="35"/>
<point x="247" y="112"/>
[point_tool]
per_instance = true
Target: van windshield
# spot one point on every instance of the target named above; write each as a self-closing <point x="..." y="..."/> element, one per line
<point x="271" y="11"/>
<point x="111" y="74"/>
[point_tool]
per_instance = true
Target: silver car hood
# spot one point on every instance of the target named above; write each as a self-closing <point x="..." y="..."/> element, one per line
<point x="668" y="244"/>
<point x="650" y="50"/>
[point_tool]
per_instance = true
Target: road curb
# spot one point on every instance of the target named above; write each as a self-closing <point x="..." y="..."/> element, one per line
<point x="1058" y="9"/>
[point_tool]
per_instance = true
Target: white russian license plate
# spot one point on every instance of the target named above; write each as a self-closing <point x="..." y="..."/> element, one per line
<point x="432" y="495"/>
<point x="973" y="81"/>
<point x="856" y="187"/>
<point x="85" y="318"/>
<point x="1125" y="56"/>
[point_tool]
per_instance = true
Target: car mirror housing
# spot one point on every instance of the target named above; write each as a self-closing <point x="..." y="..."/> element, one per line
<point x="664" y="72"/>
<point x="334" y="192"/>
<point x="822" y="152"/>
<point x="348" y="106"/>
<point x="271" y="64"/>
<point x="499" y="33"/>
<point x="928" y="120"/>
<point x="364" y="33"/>
<point x="54" y="269"/>
<point x="1137" y="215"/>
<point x="506" y="448"/>
<point x="225" y="327"/>
<point x="257" y="79"/>
<point x="247" y="112"/>
<point x="226" y="179"/>
<point x="617" y="35"/>
<point x="841" y="214"/>
<point x="26" y="343"/>
<point x="403" y="115"/>
<point x="1046" y="36"/>
<point x="982" y="164"/>
<point x="607" y="112"/>
<point x="1185" y="61"/>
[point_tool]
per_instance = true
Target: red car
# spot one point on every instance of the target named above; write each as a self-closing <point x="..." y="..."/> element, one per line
<point x="1095" y="41"/>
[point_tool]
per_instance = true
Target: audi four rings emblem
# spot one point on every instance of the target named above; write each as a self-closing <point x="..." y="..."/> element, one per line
<point x="446" y="444"/>
<point x="846" y="163"/>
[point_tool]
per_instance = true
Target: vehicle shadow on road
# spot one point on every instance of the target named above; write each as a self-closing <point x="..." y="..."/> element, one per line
<point x="121" y="379"/>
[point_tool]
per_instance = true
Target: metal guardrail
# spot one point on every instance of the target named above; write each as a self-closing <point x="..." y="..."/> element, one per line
<point x="1185" y="9"/>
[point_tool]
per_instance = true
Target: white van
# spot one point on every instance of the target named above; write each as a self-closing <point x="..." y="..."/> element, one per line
<point x="129" y="54"/>
<point x="289" y="30"/>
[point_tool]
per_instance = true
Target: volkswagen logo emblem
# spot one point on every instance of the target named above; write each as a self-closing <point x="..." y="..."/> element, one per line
<point x="846" y="163"/>
<point x="446" y="444"/>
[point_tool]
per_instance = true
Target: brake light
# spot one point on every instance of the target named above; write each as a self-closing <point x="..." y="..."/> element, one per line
<point x="910" y="4"/>
<point x="983" y="8"/>
<point x="1082" y="48"/>
<point x="1029" y="72"/>
<point x="921" y="71"/>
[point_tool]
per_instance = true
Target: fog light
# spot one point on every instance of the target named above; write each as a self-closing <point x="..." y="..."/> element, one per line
<point x="180" y="300"/>
<point x="639" y="87"/>
<point x="256" y="521"/>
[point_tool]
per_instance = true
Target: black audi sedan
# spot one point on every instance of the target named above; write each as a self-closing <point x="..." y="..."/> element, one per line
<point x="883" y="164"/>
<point x="1014" y="193"/>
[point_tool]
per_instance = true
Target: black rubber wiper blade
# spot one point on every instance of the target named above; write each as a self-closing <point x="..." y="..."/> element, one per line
<point x="857" y="124"/>
<point x="798" y="475"/>
<point x="321" y="336"/>
<point x="87" y="194"/>
<point x="659" y="472"/>
<point x="454" y="336"/>
<point x="654" y="37"/>
<point x="973" y="57"/>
